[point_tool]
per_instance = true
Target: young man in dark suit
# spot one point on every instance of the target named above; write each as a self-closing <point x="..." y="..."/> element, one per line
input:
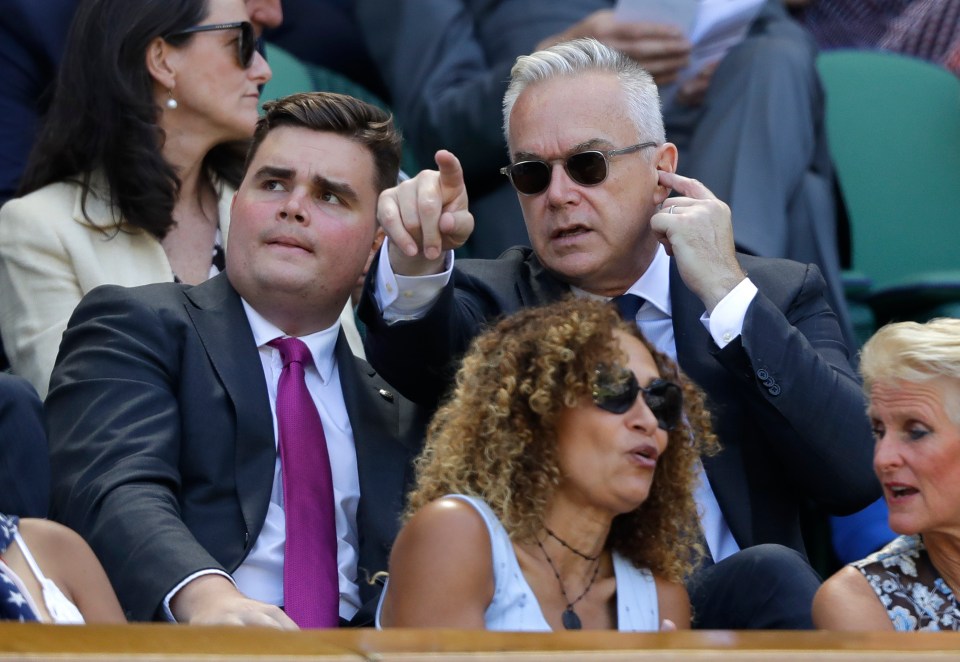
<point x="593" y="172"/>
<point x="166" y="409"/>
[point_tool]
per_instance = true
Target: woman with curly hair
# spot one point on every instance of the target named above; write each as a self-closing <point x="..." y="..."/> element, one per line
<point x="556" y="486"/>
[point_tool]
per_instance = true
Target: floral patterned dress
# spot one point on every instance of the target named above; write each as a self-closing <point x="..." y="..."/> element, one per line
<point x="914" y="594"/>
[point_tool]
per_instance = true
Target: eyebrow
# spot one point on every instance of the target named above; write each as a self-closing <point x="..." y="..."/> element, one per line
<point x="341" y="189"/>
<point x="274" y="172"/>
<point x="593" y="143"/>
<point x="319" y="182"/>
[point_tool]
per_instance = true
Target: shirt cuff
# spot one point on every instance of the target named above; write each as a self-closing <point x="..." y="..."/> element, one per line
<point x="726" y="322"/>
<point x="190" y="578"/>
<point x="407" y="297"/>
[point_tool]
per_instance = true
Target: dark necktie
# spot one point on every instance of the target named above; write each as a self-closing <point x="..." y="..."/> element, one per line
<point x="311" y="590"/>
<point x="628" y="305"/>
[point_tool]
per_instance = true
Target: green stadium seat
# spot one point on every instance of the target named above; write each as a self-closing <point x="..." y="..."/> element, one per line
<point x="893" y="124"/>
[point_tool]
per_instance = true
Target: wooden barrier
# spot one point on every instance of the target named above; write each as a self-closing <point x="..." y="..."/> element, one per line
<point x="39" y="643"/>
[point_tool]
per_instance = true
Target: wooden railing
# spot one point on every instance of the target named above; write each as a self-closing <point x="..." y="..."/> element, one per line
<point x="160" y="642"/>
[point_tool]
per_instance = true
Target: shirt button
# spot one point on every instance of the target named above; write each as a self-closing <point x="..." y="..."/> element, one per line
<point x="727" y="337"/>
<point x="407" y="294"/>
<point x="390" y="289"/>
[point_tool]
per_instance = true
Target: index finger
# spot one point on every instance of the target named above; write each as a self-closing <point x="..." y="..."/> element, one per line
<point x="685" y="186"/>
<point x="451" y="175"/>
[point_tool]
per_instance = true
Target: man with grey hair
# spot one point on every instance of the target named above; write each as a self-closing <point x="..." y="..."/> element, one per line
<point x="593" y="174"/>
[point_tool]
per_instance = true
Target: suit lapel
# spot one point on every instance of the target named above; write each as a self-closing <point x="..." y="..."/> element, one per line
<point x="374" y="412"/>
<point x="693" y="341"/>
<point x="695" y="354"/>
<point x="224" y="331"/>
<point x="385" y="448"/>
<point x="539" y="286"/>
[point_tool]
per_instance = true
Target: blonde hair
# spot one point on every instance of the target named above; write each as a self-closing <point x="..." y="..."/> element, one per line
<point x="495" y="438"/>
<point x="914" y="352"/>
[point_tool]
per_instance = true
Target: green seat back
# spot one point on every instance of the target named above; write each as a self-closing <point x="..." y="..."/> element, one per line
<point x="893" y="124"/>
<point x="291" y="75"/>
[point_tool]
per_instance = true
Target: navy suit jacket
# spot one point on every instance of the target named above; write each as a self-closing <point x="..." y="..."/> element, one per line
<point x="32" y="38"/>
<point x="162" y="443"/>
<point x="24" y="458"/>
<point x="787" y="406"/>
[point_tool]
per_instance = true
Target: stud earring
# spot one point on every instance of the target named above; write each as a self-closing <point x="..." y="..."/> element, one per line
<point x="171" y="103"/>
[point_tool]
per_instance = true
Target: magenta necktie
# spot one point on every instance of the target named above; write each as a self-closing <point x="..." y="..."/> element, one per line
<point x="311" y="589"/>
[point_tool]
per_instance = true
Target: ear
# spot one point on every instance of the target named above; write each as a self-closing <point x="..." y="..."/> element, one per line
<point x="666" y="160"/>
<point x="161" y="61"/>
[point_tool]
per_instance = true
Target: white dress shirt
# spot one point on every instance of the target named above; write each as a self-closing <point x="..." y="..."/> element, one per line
<point x="409" y="297"/>
<point x="260" y="576"/>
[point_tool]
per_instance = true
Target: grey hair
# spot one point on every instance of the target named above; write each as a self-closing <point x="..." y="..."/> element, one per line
<point x="582" y="56"/>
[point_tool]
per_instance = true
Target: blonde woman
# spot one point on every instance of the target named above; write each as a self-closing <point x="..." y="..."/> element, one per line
<point x="911" y="373"/>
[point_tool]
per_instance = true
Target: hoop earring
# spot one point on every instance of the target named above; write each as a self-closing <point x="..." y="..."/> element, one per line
<point x="171" y="103"/>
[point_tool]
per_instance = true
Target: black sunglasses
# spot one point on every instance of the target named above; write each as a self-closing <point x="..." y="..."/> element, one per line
<point x="588" y="168"/>
<point x="246" y="44"/>
<point x="663" y="397"/>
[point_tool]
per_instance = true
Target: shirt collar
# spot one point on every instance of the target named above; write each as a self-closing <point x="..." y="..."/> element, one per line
<point x="321" y="344"/>
<point x="653" y="286"/>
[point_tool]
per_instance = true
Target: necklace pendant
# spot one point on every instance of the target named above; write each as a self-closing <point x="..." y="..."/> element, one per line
<point x="570" y="619"/>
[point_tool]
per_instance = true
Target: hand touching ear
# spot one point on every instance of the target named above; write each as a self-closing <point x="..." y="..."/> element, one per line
<point x="696" y="230"/>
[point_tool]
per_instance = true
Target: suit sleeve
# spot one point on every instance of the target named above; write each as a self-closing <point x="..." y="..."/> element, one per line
<point x="25" y="461"/>
<point x="27" y="71"/>
<point x="420" y="357"/>
<point x="114" y="431"/>
<point x="808" y="398"/>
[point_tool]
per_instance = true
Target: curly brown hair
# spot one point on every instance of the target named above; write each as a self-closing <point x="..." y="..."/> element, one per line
<point x="495" y="437"/>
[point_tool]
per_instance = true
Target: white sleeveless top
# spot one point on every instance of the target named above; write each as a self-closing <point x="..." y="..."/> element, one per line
<point x="514" y="606"/>
<point x="61" y="610"/>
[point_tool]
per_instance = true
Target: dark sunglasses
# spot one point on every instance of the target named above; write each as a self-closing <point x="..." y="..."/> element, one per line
<point x="663" y="397"/>
<point x="246" y="44"/>
<point x="588" y="168"/>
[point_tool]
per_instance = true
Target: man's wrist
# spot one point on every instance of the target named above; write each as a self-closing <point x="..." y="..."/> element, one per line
<point x="199" y="591"/>
<point x="418" y="265"/>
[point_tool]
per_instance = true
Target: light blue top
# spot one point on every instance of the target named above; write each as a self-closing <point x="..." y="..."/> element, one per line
<point x="514" y="606"/>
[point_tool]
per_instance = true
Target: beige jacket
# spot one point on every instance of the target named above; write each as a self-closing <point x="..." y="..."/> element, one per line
<point x="50" y="257"/>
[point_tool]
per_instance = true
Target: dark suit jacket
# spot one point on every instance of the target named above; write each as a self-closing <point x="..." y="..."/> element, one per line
<point x="24" y="458"/>
<point x="32" y="38"/>
<point x="162" y="444"/>
<point x="787" y="406"/>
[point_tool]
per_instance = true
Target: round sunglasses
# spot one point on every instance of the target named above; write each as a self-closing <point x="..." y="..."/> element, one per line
<point x="246" y="42"/>
<point x="663" y="397"/>
<point x="588" y="168"/>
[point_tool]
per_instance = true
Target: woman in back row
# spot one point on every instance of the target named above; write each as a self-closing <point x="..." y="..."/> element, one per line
<point x="132" y="175"/>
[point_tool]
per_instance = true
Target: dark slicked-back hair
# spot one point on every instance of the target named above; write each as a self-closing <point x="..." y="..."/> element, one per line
<point x="103" y="115"/>
<point x="340" y="114"/>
